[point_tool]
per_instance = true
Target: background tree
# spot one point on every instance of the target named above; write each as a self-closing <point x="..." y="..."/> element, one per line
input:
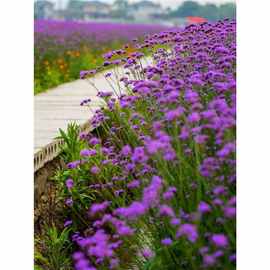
<point x="121" y="7"/>
<point x="75" y="9"/>
<point x="227" y="10"/>
<point x="121" y="4"/>
<point x="188" y="8"/>
<point x="209" y="11"/>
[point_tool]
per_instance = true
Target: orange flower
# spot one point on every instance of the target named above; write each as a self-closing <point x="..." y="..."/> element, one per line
<point x="130" y="50"/>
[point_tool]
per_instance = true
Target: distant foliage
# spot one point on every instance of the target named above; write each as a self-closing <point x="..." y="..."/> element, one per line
<point x="211" y="12"/>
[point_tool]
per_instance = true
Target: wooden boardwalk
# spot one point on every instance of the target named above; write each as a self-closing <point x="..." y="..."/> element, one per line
<point x="56" y="108"/>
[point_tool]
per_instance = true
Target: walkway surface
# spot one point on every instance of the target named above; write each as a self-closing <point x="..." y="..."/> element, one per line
<point x="57" y="107"/>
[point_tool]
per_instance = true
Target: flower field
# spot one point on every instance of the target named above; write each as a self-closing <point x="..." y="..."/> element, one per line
<point x="62" y="49"/>
<point x="154" y="188"/>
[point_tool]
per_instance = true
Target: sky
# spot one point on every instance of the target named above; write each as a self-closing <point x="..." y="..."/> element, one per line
<point x="165" y="3"/>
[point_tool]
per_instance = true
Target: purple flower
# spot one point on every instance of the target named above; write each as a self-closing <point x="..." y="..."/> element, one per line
<point x="209" y="260"/>
<point x="226" y="150"/>
<point x="229" y="212"/>
<point x="83" y="135"/>
<point x="69" y="183"/>
<point x="184" y="133"/>
<point x="169" y="155"/>
<point x="109" y="74"/>
<point x="125" y="230"/>
<point x="126" y="151"/>
<point x="166" y="241"/>
<point x="133" y="211"/>
<point x="232" y="257"/>
<point x="221" y="86"/>
<point x="217" y="202"/>
<point x="157" y="125"/>
<point x="191" y="96"/>
<point x="220" y="240"/>
<point x="151" y="193"/>
<point x="208" y="114"/>
<point x="147" y="253"/>
<point x="153" y="146"/>
<point x="67" y="223"/>
<point x="73" y="165"/>
<point x="218" y="253"/>
<point x="97" y="245"/>
<point x="139" y="155"/>
<point x="175" y="221"/>
<point x="114" y="263"/>
<point x="98" y="207"/>
<point x="78" y="255"/>
<point x="168" y="195"/>
<point x="174" y="114"/>
<point x="83" y="74"/>
<point x="201" y="139"/>
<point x="95" y="170"/>
<point x="188" y="230"/>
<point x="69" y="202"/>
<point x="85" y="102"/>
<point x="219" y="190"/>
<point x="133" y="184"/>
<point x="194" y="117"/>
<point x="204" y="207"/>
<point x="82" y="264"/>
<point x="88" y="152"/>
<point x="166" y="210"/>
<point x="232" y="201"/>
<point x="118" y="192"/>
<point x="196" y="80"/>
<point x="203" y="250"/>
<point x="94" y="141"/>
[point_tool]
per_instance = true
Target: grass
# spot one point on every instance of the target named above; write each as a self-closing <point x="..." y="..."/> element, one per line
<point x="52" y="250"/>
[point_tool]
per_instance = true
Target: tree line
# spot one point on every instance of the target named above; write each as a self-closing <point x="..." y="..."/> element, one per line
<point x="209" y="11"/>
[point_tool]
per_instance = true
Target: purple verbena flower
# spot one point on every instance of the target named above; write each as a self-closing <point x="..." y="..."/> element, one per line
<point x="220" y="240"/>
<point x="95" y="170"/>
<point x="147" y="253"/>
<point x="188" y="230"/>
<point x="166" y="241"/>
<point x="98" y="207"/>
<point x="204" y="207"/>
<point x="69" y="183"/>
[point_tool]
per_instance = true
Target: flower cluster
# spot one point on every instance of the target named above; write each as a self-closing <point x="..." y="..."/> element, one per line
<point x="159" y="179"/>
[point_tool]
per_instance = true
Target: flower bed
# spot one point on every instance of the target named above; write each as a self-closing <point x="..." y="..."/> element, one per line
<point x="62" y="49"/>
<point x="155" y="187"/>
